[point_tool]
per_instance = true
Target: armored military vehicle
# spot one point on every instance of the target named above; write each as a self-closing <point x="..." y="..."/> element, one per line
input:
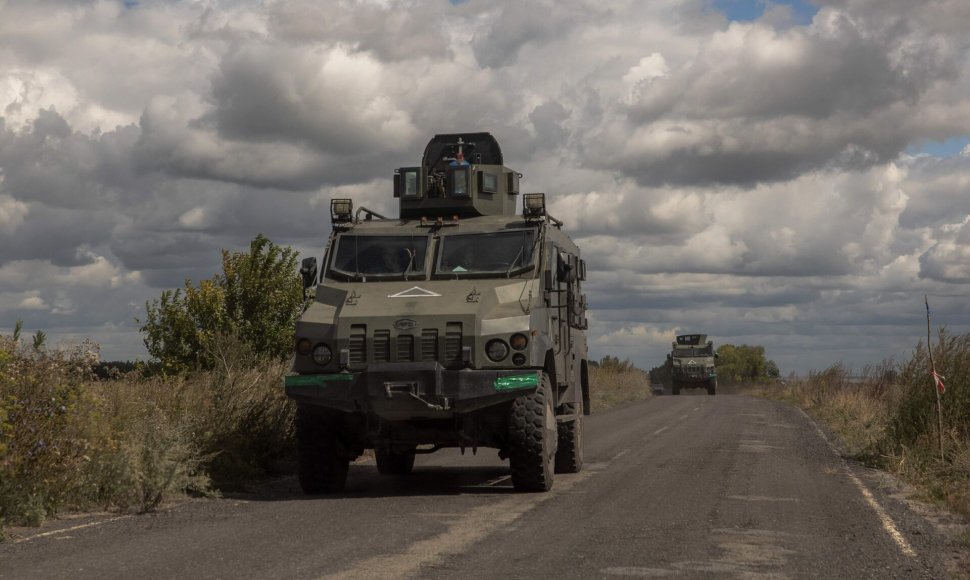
<point x="692" y="364"/>
<point x="458" y="324"/>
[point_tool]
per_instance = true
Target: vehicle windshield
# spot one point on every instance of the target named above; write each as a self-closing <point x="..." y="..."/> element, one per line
<point x="693" y="351"/>
<point x="497" y="253"/>
<point x="382" y="256"/>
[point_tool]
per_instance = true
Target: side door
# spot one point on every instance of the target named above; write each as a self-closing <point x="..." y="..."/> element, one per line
<point x="573" y="315"/>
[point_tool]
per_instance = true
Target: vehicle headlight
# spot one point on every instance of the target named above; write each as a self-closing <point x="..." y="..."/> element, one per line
<point x="519" y="341"/>
<point x="303" y="346"/>
<point x="322" y="355"/>
<point x="496" y="350"/>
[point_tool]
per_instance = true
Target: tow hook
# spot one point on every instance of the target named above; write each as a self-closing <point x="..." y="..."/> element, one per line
<point x="410" y="389"/>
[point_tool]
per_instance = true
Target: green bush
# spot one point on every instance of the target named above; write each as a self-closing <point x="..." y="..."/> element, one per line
<point x="256" y="299"/>
<point x="744" y="364"/>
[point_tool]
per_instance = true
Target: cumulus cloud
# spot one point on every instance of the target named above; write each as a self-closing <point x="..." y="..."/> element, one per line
<point x="513" y="26"/>
<point x="759" y="181"/>
<point x="389" y="32"/>
<point x="12" y="214"/>
<point x="255" y="98"/>
<point x="33" y="302"/>
<point x="758" y="103"/>
<point x="948" y="260"/>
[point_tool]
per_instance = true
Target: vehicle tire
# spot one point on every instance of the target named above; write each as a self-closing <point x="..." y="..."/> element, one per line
<point x="323" y="464"/>
<point x="392" y="463"/>
<point x="533" y="439"/>
<point x="712" y="387"/>
<point x="569" y="454"/>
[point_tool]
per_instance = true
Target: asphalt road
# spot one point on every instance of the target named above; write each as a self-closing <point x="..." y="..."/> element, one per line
<point x="674" y="487"/>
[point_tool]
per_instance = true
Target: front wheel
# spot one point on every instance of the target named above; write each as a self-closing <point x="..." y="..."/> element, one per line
<point x="323" y="462"/>
<point x="390" y="462"/>
<point x="533" y="439"/>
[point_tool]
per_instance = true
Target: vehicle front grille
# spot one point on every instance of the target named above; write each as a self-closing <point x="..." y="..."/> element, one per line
<point x="405" y="348"/>
<point x="385" y="347"/>
<point x="382" y="345"/>
<point x="358" y="344"/>
<point x="452" y="352"/>
<point x="429" y="344"/>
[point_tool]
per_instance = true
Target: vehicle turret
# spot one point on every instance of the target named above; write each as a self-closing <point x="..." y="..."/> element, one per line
<point x="690" y="340"/>
<point x="461" y="174"/>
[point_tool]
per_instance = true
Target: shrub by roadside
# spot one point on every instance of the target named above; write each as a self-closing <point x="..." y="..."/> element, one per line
<point x="70" y="441"/>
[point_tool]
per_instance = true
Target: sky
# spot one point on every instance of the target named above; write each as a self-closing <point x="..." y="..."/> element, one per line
<point x="787" y="174"/>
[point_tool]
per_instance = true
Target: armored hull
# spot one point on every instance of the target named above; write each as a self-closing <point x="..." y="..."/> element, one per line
<point x="459" y="324"/>
<point x="693" y="364"/>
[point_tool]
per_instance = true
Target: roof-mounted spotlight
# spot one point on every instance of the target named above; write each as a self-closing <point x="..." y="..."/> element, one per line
<point x="341" y="210"/>
<point x="533" y="205"/>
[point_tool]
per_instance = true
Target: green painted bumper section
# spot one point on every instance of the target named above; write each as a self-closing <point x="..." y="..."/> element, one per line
<point x="315" y="380"/>
<point x="516" y="382"/>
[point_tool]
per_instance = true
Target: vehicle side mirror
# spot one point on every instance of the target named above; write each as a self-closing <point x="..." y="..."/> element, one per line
<point x="308" y="272"/>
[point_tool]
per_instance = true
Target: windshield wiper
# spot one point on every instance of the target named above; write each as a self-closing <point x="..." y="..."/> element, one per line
<point x="410" y="254"/>
<point x="508" y="273"/>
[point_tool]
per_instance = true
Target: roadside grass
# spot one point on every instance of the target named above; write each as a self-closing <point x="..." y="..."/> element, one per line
<point x="613" y="386"/>
<point x="886" y="417"/>
<point x="69" y="441"/>
<point x="859" y="411"/>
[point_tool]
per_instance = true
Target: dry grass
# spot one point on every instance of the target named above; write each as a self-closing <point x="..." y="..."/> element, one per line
<point x="610" y="387"/>
<point x="70" y="441"/>
<point x="859" y="411"/>
<point x="887" y="418"/>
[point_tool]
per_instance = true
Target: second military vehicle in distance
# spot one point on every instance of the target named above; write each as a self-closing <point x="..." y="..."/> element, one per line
<point x="692" y="364"/>
<point x="459" y="324"/>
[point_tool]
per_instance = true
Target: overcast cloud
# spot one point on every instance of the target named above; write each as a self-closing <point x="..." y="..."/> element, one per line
<point x="798" y="180"/>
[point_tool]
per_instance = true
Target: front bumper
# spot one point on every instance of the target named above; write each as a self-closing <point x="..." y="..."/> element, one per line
<point x="400" y="391"/>
<point x="694" y="377"/>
